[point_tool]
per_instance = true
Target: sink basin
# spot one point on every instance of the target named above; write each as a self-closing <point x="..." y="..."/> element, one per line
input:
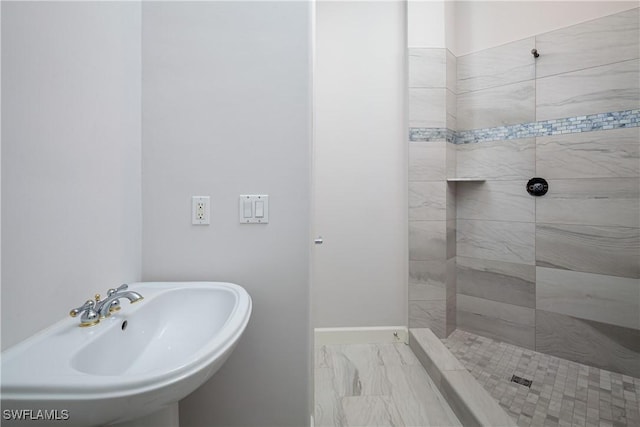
<point x="143" y="358"/>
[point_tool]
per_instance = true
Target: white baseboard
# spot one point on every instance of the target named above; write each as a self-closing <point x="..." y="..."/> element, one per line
<point x="361" y="335"/>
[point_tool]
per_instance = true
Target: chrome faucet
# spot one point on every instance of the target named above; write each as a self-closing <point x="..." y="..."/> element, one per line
<point x="92" y="311"/>
<point x="112" y="302"/>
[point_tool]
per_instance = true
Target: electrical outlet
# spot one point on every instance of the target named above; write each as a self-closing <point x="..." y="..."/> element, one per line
<point x="200" y="210"/>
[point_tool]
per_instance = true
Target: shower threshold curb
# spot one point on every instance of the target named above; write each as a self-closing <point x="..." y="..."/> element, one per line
<point x="471" y="403"/>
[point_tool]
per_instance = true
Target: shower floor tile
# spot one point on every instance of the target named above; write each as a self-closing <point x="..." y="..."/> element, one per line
<point x="563" y="393"/>
<point x="376" y="385"/>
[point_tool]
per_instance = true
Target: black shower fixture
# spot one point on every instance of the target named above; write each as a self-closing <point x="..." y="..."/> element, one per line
<point x="535" y="53"/>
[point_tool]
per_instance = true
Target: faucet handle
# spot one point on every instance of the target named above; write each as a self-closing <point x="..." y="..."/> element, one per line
<point x="88" y="305"/>
<point x="118" y="289"/>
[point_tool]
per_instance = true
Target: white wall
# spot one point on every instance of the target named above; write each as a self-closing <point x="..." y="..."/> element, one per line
<point x="360" y="199"/>
<point x="226" y="111"/>
<point x="70" y="157"/>
<point x="485" y="24"/>
<point x="426" y="26"/>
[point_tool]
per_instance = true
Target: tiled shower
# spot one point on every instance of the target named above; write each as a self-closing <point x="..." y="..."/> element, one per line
<point x="560" y="273"/>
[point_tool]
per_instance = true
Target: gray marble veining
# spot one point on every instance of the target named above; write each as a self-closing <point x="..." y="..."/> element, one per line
<point x="427" y="200"/>
<point x="386" y="386"/>
<point x="497" y="160"/>
<point x="429" y="272"/>
<point x="497" y="66"/>
<point x="452" y="245"/>
<point x="606" y="346"/>
<point x="428" y="314"/>
<point x="606" y="299"/>
<point x="451" y="74"/>
<point x="497" y="106"/>
<point x="424" y="292"/>
<point x="427" y="161"/>
<point x="500" y="281"/>
<point x="427" y="240"/>
<point x="414" y="381"/>
<point x="478" y="404"/>
<point x="371" y="411"/>
<point x="427" y="67"/>
<point x="612" y="87"/>
<point x="328" y="409"/>
<point x="451" y="107"/>
<point x="506" y="322"/>
<point x="495" y="200"/>
<point x="427" y="107"/>
<point x="597" y="201"/>
<point x="563" y="393"/>
<point x="604" y="250"/>
<point x="597" y="42"/>
<point x="438" y="358"/>
<point x="451" y="315"/>
<point x="497" y="240"/>
<point x="603" y="154"/>
<point x="451" y="190"/>
<point x="471" y="403"/>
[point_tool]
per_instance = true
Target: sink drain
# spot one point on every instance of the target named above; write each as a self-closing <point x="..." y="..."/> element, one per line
<point x="124" y="325"/>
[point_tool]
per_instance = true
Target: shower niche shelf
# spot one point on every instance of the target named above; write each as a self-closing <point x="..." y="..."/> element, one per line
<point x="466" y="179"/>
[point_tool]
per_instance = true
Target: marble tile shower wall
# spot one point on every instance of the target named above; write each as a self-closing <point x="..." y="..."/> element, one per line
<point x="561" y="273"/>
<point x="432" y="218"/>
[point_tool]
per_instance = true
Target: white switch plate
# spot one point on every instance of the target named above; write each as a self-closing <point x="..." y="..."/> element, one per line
<point x="200" y="210"/>
<point x="247" y="208"/>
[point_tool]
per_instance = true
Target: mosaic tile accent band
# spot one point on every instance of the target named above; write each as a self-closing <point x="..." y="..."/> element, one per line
<point x="593" y="122"/>
<point x="432" y="134"/>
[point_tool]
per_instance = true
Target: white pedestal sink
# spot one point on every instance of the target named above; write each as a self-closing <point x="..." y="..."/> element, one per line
<point x="138" y="361"/>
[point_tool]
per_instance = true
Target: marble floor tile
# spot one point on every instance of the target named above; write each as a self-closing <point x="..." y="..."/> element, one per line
<point x="432" y="408"/>
<point x="370" y="411"/>
<point x="560" y="389"/>
<point x="328" y="406"/>
<point x="410" y="398"/>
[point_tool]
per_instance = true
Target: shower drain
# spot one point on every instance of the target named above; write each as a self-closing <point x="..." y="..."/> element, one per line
<point x="522" y="381"/>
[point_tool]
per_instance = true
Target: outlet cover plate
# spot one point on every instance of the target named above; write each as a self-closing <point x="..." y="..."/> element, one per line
<point x="200" y="210"/>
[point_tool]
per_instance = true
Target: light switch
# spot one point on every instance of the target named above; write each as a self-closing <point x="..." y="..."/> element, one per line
<point x="254" y="208"/>
<point x="259" y="209"/>
<point x="247" y="211"/>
